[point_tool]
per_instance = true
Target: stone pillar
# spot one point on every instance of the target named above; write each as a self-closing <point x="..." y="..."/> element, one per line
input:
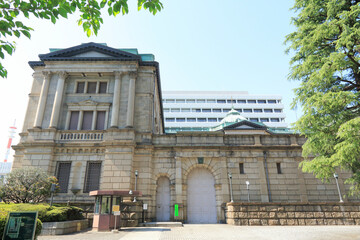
<point x="131" y="101"/>
<point x="42" y="100"/>
<point x="58" y="100"/>
<point x="93" y="124"/>
<point x="263" y="181"/>
<point x="178" y="189"/>
<point x="116" y="101"/>
<point x="301" y="183"/>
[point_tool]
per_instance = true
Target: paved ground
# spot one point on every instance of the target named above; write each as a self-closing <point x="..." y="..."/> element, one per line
<point x="221" y="231"/>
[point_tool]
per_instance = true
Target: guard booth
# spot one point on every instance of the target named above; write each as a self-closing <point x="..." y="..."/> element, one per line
<point x="106" y="210"/>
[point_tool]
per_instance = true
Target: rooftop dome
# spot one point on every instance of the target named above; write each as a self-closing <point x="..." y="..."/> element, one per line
<point x="232" y="117"/>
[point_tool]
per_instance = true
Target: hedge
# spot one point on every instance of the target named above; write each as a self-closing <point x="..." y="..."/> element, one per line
<point x="45" y="213"/>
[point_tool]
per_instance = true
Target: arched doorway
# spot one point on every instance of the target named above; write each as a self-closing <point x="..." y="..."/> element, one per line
<point x="163" y="200"/>
<point x="201" y="201"/>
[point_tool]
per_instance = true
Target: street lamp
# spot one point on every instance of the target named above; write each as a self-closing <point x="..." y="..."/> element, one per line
<point x="231" y="191"/>
<point x="336" y="176"/>
<point x="136" y="176"/>
<point x="248" y="191"/>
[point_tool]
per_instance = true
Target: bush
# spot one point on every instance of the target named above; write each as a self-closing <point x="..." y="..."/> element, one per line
<point x="45" y="213"/>
<point x="27" y="185"/>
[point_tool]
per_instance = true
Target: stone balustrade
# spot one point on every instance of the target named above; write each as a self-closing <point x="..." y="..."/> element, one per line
<point x="80" y="136"/>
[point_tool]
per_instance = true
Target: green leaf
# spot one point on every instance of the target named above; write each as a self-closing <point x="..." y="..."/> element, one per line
<point x="53" y="19"/>
<point x="8" y="49"/>
<point x="88" y="32"/>
<point x="63" y="12"/>
<point x="26" y="33"/>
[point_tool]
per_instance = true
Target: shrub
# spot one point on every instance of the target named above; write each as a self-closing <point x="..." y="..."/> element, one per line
<point x="25" y="185"/>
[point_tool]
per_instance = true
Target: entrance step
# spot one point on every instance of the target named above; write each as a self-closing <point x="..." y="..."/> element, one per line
<point x="161" y="224"/>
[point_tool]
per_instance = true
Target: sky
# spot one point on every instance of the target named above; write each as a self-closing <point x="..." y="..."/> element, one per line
<point x="229" y="45"/>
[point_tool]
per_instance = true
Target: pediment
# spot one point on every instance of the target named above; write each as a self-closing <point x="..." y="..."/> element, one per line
<point x="246" y="125"/>
<point x="89" y="52"/>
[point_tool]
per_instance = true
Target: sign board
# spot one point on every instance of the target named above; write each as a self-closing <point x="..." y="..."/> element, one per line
<point x="145" y="206"/>
<point x="116" y="208"/>
<point x="116" y="213"/>
<point x="20" y="226"/>
<point x="176" y="210"/>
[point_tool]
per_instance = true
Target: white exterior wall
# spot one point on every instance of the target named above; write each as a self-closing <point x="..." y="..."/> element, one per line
<point x="188" y="109"/>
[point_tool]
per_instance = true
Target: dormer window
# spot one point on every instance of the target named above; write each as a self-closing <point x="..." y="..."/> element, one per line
<point x="91" y="87"/>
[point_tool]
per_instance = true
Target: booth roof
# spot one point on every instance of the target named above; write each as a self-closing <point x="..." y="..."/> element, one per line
<point x="122" y="193"/>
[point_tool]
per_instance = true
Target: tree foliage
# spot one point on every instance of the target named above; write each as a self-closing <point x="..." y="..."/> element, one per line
<point x="325" y="48"/>
<point x="27" y="185"/>
<point x="90" y="16"/>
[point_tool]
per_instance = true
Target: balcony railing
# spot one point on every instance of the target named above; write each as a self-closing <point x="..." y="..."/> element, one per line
<point x="80" y="136"/>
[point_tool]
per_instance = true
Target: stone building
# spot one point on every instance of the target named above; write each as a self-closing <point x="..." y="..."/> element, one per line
<point x="95" y="116"/>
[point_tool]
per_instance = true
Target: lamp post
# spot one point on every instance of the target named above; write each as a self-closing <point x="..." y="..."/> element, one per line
<point x="52" y="190"/>
<point x="231" y="191"/>
<point x="248" y="191"/>
<point x="336" y="176"/>
<point x="136" y="176"/>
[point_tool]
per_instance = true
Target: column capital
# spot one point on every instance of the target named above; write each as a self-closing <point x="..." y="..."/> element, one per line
<point x="47" y="74"/>
<point x="118" y="74"/>
<point x="133" y="74"/>
<point x="62" y="74"/>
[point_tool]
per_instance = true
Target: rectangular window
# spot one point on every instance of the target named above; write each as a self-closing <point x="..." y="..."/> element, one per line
<point x="278" y="166"/>
<point x="247" y="110"/>
<point x="197" y="110"/>
<point x="170" y="100"/>
<point x="185" y="109"/>
<point x="91" y="87"/>
<point x="190" y="100"/>
<point x="201" y="119"/>
<point x="221" y="101"/>
<point x="80" y="87"/>
<point x="175" y="109"/>
<point x="74" y="119"/>
<point x="238" y="109"/>
<point x="180" y="100"/>
<point x="254" y="119"/>
<point x="212" y="119"/>
<point x="191" y="119"/>
<point x="180" y="119"/>
<point x="92" y="176"/>
<point x="63" y="175"/>
<point x="87" y="120"/>
<point x="216" y="110"/>
<point x="166" y="110"/>
<point x="211" y="101"/>
<point x="274" y="120"/>
<point x="241" y="167"/>
<point x="206" y="110"/>
<point x="200" y="100"/>
<point x="170" y="119"/>
<point x="268" y="110"/>
<point x="264" y="120"/>
<point x="261" y="101"/>
<point x="102" y="87"/>
<point x="257" y="110"/>
<point x="231" y="101"/>
<point x="226" y="110"/>
<point x="272" y="101"/>
<point x="277" y="110"/>
<point x="105" y="205"/>
<point x="251" y="101"/>
<point x="100" y="120"/>
<point x="241" y="101"/>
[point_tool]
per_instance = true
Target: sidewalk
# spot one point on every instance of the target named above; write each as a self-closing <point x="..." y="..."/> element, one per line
<point x="221" y="231"/>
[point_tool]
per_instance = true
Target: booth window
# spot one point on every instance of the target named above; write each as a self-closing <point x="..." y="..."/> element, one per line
<point x="63" y="174"/>
<point x="92" y="177"/>
<point x="97" y="204"/>
<point x="105" y="205"/>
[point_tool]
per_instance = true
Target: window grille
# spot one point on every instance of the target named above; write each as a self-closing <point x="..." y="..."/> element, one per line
<point x="92" y="177"/>
<point x="63" y="175"/>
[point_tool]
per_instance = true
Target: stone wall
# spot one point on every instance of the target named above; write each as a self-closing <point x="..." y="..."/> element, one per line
<point x="293" y="213"/>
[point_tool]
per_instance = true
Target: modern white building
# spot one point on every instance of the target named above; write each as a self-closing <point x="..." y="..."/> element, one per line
<point x="200" y="110"/>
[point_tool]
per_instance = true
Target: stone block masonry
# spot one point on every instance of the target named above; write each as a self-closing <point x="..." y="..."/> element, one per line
<point x="293" y="213"/>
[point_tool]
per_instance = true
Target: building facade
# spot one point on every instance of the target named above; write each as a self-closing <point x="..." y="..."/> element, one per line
<point x="200" y="110"/>
<point x="95" y="117"/>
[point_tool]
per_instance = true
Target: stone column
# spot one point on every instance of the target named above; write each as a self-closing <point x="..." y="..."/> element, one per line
<point x="301" y="183"/>
<point x="263" y="182"/>
<point x="178" y="189"/>
<point x="93" y="124"/>
<point x="131" y="101"/>
<point x="42" y="100"/>
<point x="116" y="101"/>
<point x="58" y="100"/>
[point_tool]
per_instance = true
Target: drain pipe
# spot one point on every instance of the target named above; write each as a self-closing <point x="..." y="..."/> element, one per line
<point x="267" y="176"/>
